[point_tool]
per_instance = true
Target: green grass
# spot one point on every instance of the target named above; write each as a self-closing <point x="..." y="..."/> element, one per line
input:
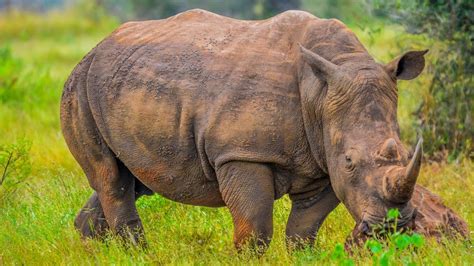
<point x="36" y="215"/>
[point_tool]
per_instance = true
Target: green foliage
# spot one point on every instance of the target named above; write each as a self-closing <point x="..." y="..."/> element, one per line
<point x="347" y="10"/>
<point x="37" y="52"/>
<point x="8" y="74"/>
<point x="16" y="86"/>
<point x="381" y="250"/>
<point x="15" y="166"/>
<point x="394" y="244"/>
<point x="397" y="246"/>
<point x="340" y="256"/>
<point x="350" y="11"/>
<point x="447" y="112"/>
<point x="393" y="214"/>
<point x="245" y="9"/>
<point x="268" y="8"/>
<point x="64" y="25"/>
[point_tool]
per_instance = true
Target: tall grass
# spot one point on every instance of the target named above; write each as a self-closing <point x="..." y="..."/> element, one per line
<point x="37" y="52"/>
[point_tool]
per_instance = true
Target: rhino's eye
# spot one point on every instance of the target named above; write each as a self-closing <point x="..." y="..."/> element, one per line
<point x="348" y="162"/>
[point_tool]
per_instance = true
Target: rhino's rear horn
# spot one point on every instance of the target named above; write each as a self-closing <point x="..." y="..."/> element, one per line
<point x="399" y="185"/>
<point x="389" y="149"/>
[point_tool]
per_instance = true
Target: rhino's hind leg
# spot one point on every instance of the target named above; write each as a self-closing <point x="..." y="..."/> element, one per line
<point x="247" y="189"/>
<point x="91" y="222"/>
<point x="112" y="181"/>
<point x="117" y="198"/>
<point x="307" y="215"/>
<point x="114" y="199"/>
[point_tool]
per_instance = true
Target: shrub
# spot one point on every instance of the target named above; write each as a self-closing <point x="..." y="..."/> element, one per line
<point x="446" y="112"/>
<point x="25" y="87"/>
<point x="15" y="166"/>
<point x="383" y="249"/>
<point x="9" y="69"/>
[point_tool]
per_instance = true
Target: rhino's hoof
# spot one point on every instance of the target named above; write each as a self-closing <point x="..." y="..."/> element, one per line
<point x="91" y="223"/>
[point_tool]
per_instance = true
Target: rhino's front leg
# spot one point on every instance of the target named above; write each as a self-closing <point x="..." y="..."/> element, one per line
<point x="307" y="215"/>
<point x="247" y="189"/>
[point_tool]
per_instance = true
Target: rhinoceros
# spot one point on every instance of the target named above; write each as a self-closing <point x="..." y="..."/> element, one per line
<point x="213" y="111"/>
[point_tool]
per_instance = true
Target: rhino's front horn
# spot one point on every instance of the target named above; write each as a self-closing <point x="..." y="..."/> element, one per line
<point x="399" y="187"/>
<point x="413" y="168"/>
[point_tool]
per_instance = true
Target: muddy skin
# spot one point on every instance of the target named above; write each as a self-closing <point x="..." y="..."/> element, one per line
<point x="436" y="219"/>
<point x="212" y="111"/>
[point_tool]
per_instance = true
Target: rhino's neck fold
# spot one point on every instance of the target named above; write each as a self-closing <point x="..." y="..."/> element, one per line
<point x="312" y="94"/>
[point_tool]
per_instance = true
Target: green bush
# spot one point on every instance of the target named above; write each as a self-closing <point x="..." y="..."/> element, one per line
<point x="447" y="111"/>
<point x="8" y="75"/>
<point x="15" y="166"/>
<point x="83" y="18"/>
<point x="383" y="250"/>
<point x="25" y="86"/>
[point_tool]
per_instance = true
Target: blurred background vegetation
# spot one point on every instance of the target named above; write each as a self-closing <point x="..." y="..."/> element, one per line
<point x="42" y="187"/>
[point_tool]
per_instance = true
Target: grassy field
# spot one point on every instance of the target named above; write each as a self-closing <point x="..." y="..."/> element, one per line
<point x="46" y="188"/>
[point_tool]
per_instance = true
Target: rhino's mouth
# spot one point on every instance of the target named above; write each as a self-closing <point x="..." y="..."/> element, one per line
<point x="372" y="225"/>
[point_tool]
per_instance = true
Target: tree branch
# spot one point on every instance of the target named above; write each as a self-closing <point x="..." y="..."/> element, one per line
<point x="4" y="175"/>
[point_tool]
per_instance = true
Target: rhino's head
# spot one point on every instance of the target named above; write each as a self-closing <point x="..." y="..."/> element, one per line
<point x="370" y="170"/>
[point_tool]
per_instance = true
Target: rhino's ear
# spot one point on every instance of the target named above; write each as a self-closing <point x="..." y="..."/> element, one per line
<point x="407" y="66"/>
<point x="318" y="63"/>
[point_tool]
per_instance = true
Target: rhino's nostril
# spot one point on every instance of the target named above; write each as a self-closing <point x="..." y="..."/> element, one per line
<point x="415" y="212"/>
<point x="364" y="228"/>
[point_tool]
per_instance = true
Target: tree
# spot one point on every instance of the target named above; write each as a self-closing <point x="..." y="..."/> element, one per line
<point x="447" y="111"/>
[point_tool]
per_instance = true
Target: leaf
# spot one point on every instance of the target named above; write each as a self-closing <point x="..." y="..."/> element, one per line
<point x="385" y="258"/>
<point x="374" y="246"/>
<point x="338" y="252"/>
<point x="417" y="240"/>
<point x="402" y="241"/>
<point x="393" y="214"/>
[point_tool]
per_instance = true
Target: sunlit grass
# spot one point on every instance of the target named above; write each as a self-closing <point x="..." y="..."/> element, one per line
<point x="36" y="222"/>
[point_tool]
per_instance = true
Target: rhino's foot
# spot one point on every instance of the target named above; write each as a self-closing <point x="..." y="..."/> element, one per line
<point x="90" y="221"/>
<point x="132" y="233"/>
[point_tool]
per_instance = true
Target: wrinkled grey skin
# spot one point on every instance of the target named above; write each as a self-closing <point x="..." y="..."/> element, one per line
<point x="213" y="111"/>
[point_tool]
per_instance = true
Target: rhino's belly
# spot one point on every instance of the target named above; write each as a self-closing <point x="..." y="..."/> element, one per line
<point x="177" y="180"/>
<point x="183" y="187"/>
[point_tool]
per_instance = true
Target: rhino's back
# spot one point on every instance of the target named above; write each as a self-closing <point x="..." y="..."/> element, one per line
<point x="199" y="47"/>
